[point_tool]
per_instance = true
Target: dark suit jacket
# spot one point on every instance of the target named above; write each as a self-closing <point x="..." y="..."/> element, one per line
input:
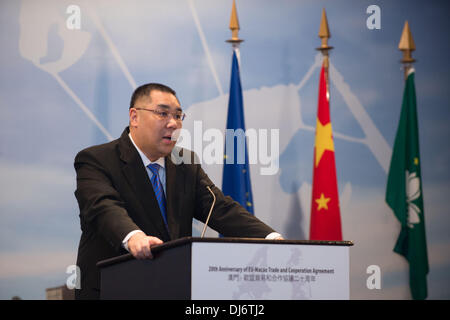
<point x="115" y="197"/>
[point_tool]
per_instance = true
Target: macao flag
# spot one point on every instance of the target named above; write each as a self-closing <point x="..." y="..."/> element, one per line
<point x="404" y="193"/>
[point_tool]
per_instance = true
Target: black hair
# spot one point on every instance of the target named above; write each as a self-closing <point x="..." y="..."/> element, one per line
<point x="146" y="89"/>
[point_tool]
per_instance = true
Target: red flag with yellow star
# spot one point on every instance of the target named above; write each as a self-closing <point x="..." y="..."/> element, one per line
<point x="325" y="214"/>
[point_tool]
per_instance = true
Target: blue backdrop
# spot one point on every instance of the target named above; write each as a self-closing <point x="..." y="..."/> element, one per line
<point x="64" y="89"/>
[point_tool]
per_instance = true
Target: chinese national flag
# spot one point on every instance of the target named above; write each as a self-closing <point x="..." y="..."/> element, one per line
<point x="325" y="216"/>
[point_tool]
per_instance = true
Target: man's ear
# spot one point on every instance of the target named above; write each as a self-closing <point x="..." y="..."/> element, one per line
<point x="133" y="117"/>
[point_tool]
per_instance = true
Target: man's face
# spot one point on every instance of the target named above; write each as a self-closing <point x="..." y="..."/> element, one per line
<point x="152" y="130"/>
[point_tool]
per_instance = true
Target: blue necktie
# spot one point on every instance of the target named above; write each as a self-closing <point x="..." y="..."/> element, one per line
<point x="158" y="188"/>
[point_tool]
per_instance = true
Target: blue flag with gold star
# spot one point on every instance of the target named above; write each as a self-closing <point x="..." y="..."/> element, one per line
<point x="236" y="173"/>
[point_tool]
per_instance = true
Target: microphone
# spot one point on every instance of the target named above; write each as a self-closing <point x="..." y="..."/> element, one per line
<point x="212" y="206"/>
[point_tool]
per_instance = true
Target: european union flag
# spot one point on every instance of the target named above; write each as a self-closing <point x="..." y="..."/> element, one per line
<point x="236" y="173"/>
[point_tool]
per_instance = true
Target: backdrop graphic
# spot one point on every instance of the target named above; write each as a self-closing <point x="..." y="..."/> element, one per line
<point x="64" y="89"/>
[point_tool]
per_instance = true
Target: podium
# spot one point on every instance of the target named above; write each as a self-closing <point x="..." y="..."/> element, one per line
<point x="231" y="269"/>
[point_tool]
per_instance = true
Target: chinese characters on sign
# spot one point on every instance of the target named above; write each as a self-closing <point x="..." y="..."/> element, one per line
<point x="268" y="274"/>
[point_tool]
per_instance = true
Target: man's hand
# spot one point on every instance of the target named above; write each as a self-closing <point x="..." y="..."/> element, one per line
<point x="140" y="245"/>
<point x="274" y="236"/>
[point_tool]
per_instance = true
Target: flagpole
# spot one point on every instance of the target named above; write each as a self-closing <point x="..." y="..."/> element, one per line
<point x="325" y="223"/>
<point x="236" y="176"/>
<point x="404" y="190"/>
<point x="324" y="35"/>
<point x="407" y="45"/>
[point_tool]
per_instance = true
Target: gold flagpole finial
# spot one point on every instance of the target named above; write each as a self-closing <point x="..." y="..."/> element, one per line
<point x="324" y="34"/>
<point x="234" y="25"/>
<point x="407" y="45"/>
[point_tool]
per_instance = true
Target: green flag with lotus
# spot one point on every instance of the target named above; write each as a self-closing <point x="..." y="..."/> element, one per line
<point x="404" y="193"/>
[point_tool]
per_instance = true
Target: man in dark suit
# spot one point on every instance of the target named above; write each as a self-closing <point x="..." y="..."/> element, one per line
<point x="132" y="195"/>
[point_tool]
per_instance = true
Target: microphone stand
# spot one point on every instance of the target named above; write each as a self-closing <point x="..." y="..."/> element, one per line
<point x="210" y="211"/>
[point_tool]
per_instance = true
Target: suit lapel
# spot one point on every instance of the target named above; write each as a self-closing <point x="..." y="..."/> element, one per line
<point x="174" y="193"/>
<point x="137" y="177"/>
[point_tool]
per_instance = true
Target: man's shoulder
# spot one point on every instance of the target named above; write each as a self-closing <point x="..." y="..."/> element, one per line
<point x="101" y="148"/>
<point x="107" y="149"/>
<point x="100" y="151"/>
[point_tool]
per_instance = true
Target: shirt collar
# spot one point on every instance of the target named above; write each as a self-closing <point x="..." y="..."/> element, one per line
<point x="146" y="161"/>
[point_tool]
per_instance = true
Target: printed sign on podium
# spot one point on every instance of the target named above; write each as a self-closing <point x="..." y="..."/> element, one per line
<point x="232" y="269"/>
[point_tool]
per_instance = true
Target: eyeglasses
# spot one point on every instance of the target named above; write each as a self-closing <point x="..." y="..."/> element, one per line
<point x="165" y="115"/>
